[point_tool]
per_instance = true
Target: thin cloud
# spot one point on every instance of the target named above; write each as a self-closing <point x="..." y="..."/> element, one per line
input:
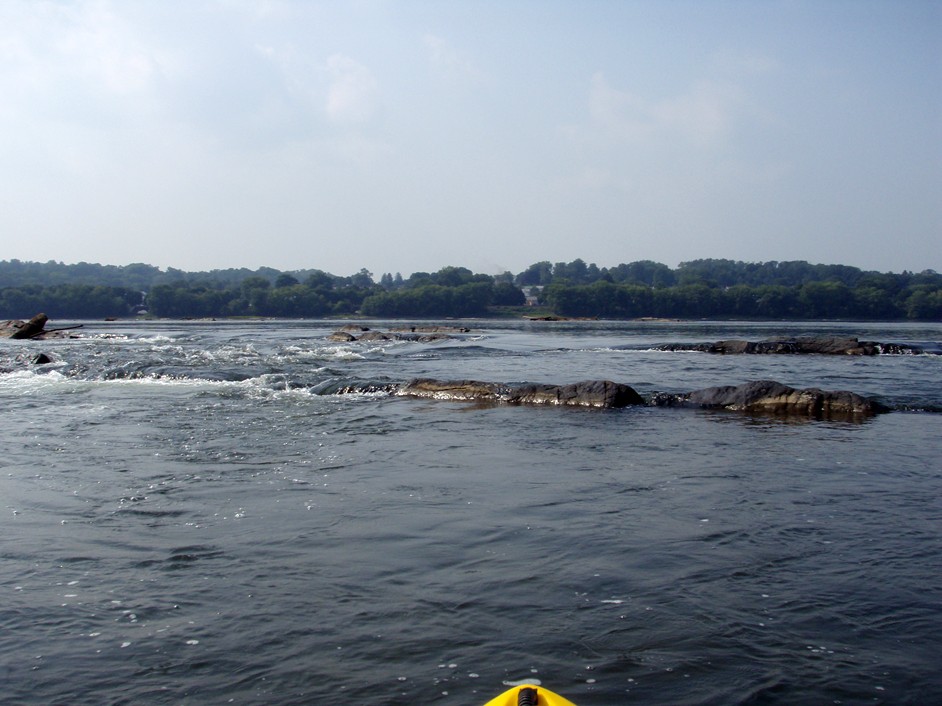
<point x="448" y="61"/>
<point x="353" y="91"/>
<point x="702" y="116"/>
<point x="75" y="49"/>
<point x="106" y="49"/>
<point x="618" y="114"/>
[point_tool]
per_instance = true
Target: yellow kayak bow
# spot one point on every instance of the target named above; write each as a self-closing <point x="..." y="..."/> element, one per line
<point x="529" y="695"/>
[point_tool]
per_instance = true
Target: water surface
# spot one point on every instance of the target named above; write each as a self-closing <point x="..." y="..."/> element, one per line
<point x="188" y="519"/>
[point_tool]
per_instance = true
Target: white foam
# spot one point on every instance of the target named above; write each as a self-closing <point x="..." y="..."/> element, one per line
<point x="29" y="382"/>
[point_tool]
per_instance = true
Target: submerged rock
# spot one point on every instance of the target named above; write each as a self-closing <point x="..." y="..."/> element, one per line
<point x="589" y="393"/>
<point x="825" y="345"/>
<point x="774" y="398"/>
<point x="360" y="388"/>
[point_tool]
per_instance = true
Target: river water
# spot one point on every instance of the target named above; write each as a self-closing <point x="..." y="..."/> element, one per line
<point x="190" y="516"/>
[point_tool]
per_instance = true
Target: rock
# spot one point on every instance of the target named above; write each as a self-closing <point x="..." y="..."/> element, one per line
<point x="824" y="345"/>
<point x="361" y="388"/>
<point x="35" y="328"/>
<point x="590" y="393"/>
<point x="765" y="397"/>
<point x="431" y="329"/>
<point x="375" y="336"/>
<point x="423" y="337"/>
<point x="454" y="390"/>
<point x="25" y="329"/>
<point x="430" y="334"/>
<point x="42" y="359"/>
<point x="770" y="397"/>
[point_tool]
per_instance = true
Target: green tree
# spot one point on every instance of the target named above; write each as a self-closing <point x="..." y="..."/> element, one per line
<point x="540" y="273"/>
<point x="825" y="300"/>
<point x="506" y="294"/>
<point x="285" y="280"/>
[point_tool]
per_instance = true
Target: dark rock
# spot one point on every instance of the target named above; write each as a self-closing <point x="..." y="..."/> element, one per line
<point x="375" y="336"/>
<point x="432" y="329"/>
<point x="591" y="393"/>
<point x="454" y="390"/>
<point x="423" y="337"/>
<point x="35" y="328"/>
<point x="430" y="335"/>
<point x="823" y="345"/>
<point x="765" y="397"/>
<point x="25" y="329"/>
<point x="42" y="359"/>
<point x="774" y="398"/>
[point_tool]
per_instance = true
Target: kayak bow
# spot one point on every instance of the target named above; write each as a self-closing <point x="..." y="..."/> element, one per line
<point x="529" y="695"/>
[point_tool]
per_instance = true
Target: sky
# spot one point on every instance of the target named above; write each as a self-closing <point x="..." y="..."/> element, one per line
<point x="407" y="135"/>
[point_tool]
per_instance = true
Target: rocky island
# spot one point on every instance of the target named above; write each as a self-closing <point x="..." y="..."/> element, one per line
<point x="806" y="345"/>
<point x="760" y="397"/>
<point x="35" y="328"/>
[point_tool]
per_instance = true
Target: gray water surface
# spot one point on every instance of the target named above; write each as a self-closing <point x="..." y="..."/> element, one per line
<point x="186" y="520"/>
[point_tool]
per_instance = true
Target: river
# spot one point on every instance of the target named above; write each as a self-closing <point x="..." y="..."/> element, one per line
<point x="190" y="516"/>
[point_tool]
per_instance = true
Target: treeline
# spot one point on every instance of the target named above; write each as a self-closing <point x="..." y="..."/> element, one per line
<point x="452" y="291"/>
<point x="814" y="300"/>
<point x="16" y="273"/>
<point x="697" y="289"/>
<point x="68" y="301"/>
<point x="730" y="289"/>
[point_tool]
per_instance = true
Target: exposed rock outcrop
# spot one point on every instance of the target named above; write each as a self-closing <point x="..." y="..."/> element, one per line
<point x="25" y="329"/>
<point x="428" y="334"/>
<point x="774" y="398"/>
<point x="825" y="345"/>
<point x="431" y="329"/>
<point x="35" y="328"/>
<point x="590" y="393"/>
<point x="765" y="397"/>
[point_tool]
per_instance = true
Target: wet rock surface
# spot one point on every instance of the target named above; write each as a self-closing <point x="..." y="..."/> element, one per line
<point x="589" y="393"/>
<point x="35" y="328"/>
<point x="762" y="397"/>
<point x="774" y="398"/>
<point x="806" y="345"/>
<point x="24" y="329"/>
<point x="420" y="334"/>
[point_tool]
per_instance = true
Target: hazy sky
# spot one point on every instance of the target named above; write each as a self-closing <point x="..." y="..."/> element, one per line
<point x="404" y="136"/>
